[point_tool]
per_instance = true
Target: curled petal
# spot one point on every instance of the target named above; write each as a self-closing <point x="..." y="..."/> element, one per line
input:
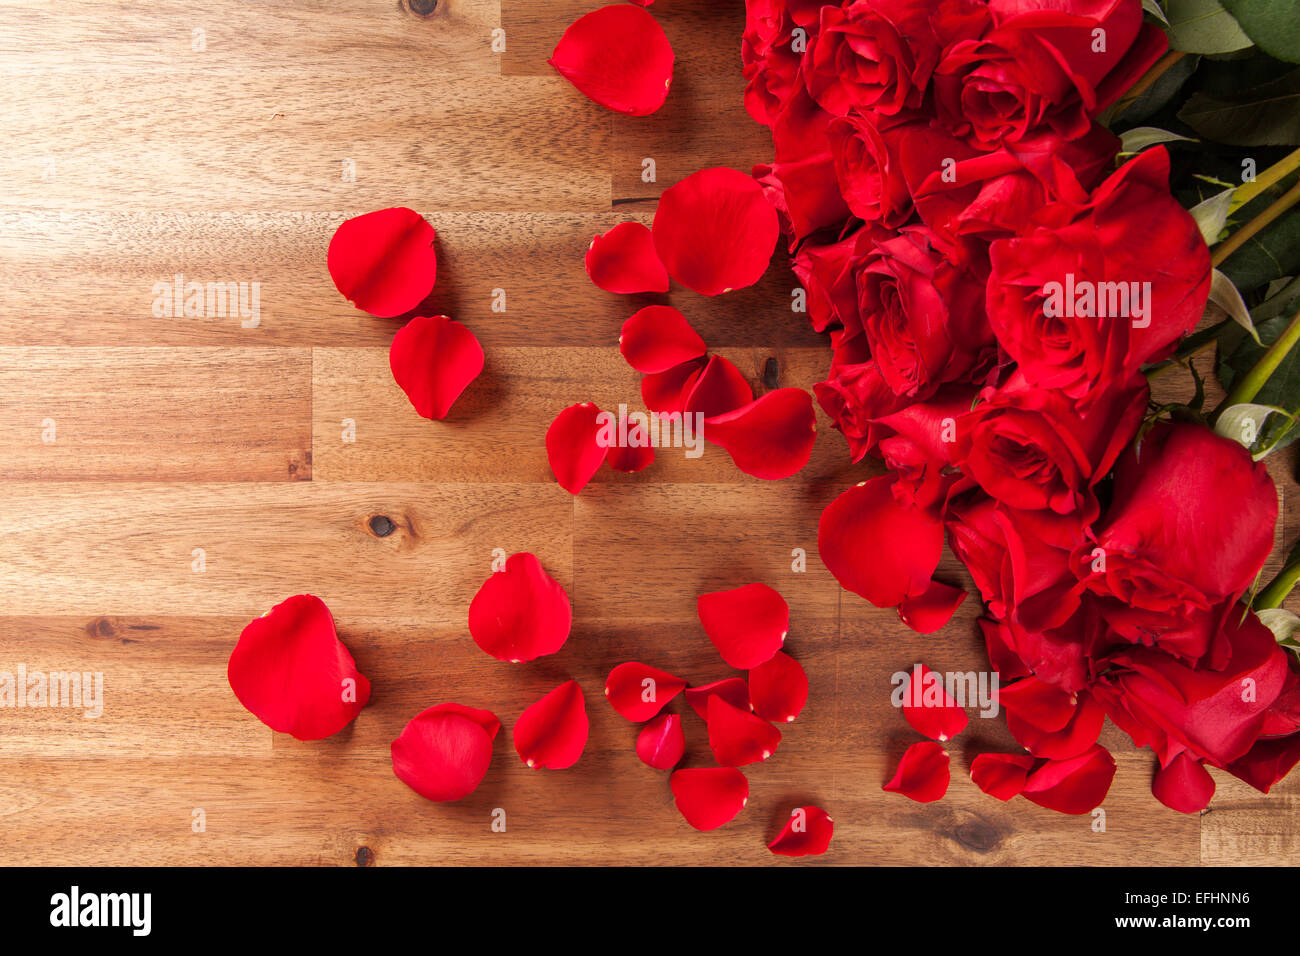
<point x="443" y="753"/>
<point x="552" y="733"/>
<point x="1079" y="733"/>
<point x="658" y="338"/>
<point x="619" y="57"/>
<point x="521" y="612"/>
<point x="661" y="742"/>
<point x="384" y="262"/>
<point x="719" y="389"/>
<point x="808" y="832"/>
<point x="1185" y="785"/>
<point x="922" y="774"/>
<point x="733" y="690"/>
<point x="928" y="707"/>
<point x="624" y="260"/>
<point x="737" y="737"/>
<point x="639" y="691"/>
<point x="1077" y="785"/>
<point x="708" y="797"/>
<point x="771" y="437"/>
<point x="291" y="672"/>
<point x="715" y="231"/>
<point x="930" y="610"/>
<point x="778" y="688"/>
<point x="746" y="624"/>
<point x="877" y="546"/>
<point x="665" y="392"/>
<point x="433" y="360"/>
<point x="1001" y="775"/>
<point x="1038" y="703"/>
<point x="573" y="446"/>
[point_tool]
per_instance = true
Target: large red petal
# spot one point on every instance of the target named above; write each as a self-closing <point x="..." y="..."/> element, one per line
<point x="619" y="57"/>
<point x="384" y="261"/>
<point x="1038" y="703"/>
<point x="771" y="437"/>
<point x="778" y="688"/>
<point x="922" y="774"/>
<point x="573" y="446"/>
<point x="877" y="546"/>
<point x="1185" y="785"/>
<point x="1001" y="775"/>
<point x="290" y="670"/>
<point x="738" y="737"/>
<point x="747" y="624"/>
<point x="808" y="832"/>
<point x="708" y="797"/>
<point x="661" y="742"/>
<point x="1077" y="785"/>
<point x="715" y="231"/>
<point x="658" y="338"/>
<point x="552" y="733"/>
<point x="624" y="260"/>
<point x="719" y="389"/>
<point x="930" y="610"/>
<point x="929" y="708"/>
<point x="639" y="691"/>
<point x="520" y="613"/>
<point x="733" y="690"/>
<point x="1079" y="733"/>
<point x="433" y="360"/>
<point x="443" y="753"/>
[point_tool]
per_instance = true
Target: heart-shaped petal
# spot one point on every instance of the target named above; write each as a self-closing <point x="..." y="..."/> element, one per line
<point x="747" y="624"/>
<point x="552" y="733"/>
<point x="778" y="688"/>
<point x="433" y="360"/>
<point x="930" y="610"/>
<point x="624" y="260"/>
<point x="719" y="389"/>
<point x="1001" y="775"/>
<point x="639" y="691"/>
<point x="443" y="752"/>
<point x="738" y="737"/>
<point x="521" y="612"/>
<point x="922" y="774"/>
<point x="928" y="706"/>
<point x="658" y="338"/>
<point x="771" y="437"/>
<point x="709" y="797"/>
<point x="384" y="262"/>
<point x="808" y="832"/>
<point x="661" y="742"/>
<point x="574" y="447"/>
<point x="1079" y="733"/>
<point x="619" y="57"/>
<point x="1185" y="785"/>
<point x="1077" y="785"/>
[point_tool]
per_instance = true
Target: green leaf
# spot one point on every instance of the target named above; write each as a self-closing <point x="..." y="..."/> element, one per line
<point x="1203" y="26"/>
<point x="1265" y="115"/>
<point x="1153" y="7"/>
<point x="1157" y="96"/>
<point x="1271" y="254"/>
<point x="1274" y="25"/>
<point x="1248" y="425"/>
<point x="1283" y="624"/>
<point x="1138" y="139"/>
<point x="1281" y="391"/>
<point x="1212" y="214"/>
<point x="1225" y="295"/>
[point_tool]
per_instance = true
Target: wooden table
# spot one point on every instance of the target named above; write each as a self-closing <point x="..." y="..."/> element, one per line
<point x="168" y="479"/>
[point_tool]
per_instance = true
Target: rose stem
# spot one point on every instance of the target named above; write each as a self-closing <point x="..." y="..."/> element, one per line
<point x="1248" y="386"/>
<point x="1239" y="238"/>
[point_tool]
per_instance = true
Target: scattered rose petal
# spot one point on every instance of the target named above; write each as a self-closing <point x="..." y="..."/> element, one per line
<point x="719" y="389"/>
<point x="746" y="624"/>
<point x="715" y="231"/>
<point x="1078" y="734"/>
<point x="443" y="753"/>
<point x="630" y="458"/>
<point x="521" y="612"/>
<point x="1077" y="785"/>
<point x="771" y="437"/>
<point x="639" y="691"/>
<point x="661" y="742"/>
<point x="384" y="262"/>
<point x="733" y="690"/>
<point x="665" y="392"/>
<point x="433" y="360"/>
<point x="778" y="688"/>
<point x="573" y="446"/>
<point x="927" y="612"/>
<point x="738" y="737"/>
<point x="922" y="774"/>
<point x="552" y="733"/>
<point x="658" y="338"/>
<point x="291" y="672"/>
<point x="1185" y="785"/>
<point x="929" y="708"/>
<point x="624" y="260"/>
<point x="808" y="832"/>
<point x="619" y="57"/>
<point x="1001" y="775"/>
<point x="1037" y="702"/>
<point x="708" y="797"/>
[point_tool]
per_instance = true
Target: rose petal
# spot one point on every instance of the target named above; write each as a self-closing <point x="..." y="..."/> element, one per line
<point x="877" y="546"/>
<point x="630" y="459"/>
<point x="639" y="691"/>
<point x="719" y="389"/>
<point x="708" y="797"/>
<point x="384" y="262"/>
<point x="521" y="612"/>
<point x="573" y="446"/>
<point x="771" y="437"/>
<point x="1038" y="703"/>
<point x="747" y="624"/>
<point x="715" y="231"/>
<point x="927" y="612"/>
<point x="624" y="260"/>
<point x="929" y="708"/>
<point x="1077" y="785"/>
<point x="443" y="752"/>
<point x="1001" y="775"/>
<point x="733" y="690"/>
<point x="658" y="338"/>
<point x="1185" y="785"/>
<point x="661" y="742"/>
<point x="1079" y="733"/>
<point x="737" y="737"/>
<point x="619" y="57"/>
<point x="808" y="832"/>
<point x="922" y="774"/>
<point x="778" y="688"/>
<point x="664" y="392"/>
<point x="291" y="672"/>
<point x="433" y="360"/>
<point x="552" y="733"/>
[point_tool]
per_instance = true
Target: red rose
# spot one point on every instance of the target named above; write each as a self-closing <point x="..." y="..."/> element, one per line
<point x="804" y="167"/>
<point x="855" y="396"/>
<point x="829" y="274"/>
<point x="771" y="52"/>
<point x="865" y="154"/>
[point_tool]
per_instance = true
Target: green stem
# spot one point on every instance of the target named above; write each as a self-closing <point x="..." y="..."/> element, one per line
<point x="1242" y="235"/>
<point x="1247" y="387"/>
<point x="1279" y="587"/>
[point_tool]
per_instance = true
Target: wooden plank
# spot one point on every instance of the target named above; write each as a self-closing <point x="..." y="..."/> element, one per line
<point x="1243" y="827"/>
<point x="189" y="414"/>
